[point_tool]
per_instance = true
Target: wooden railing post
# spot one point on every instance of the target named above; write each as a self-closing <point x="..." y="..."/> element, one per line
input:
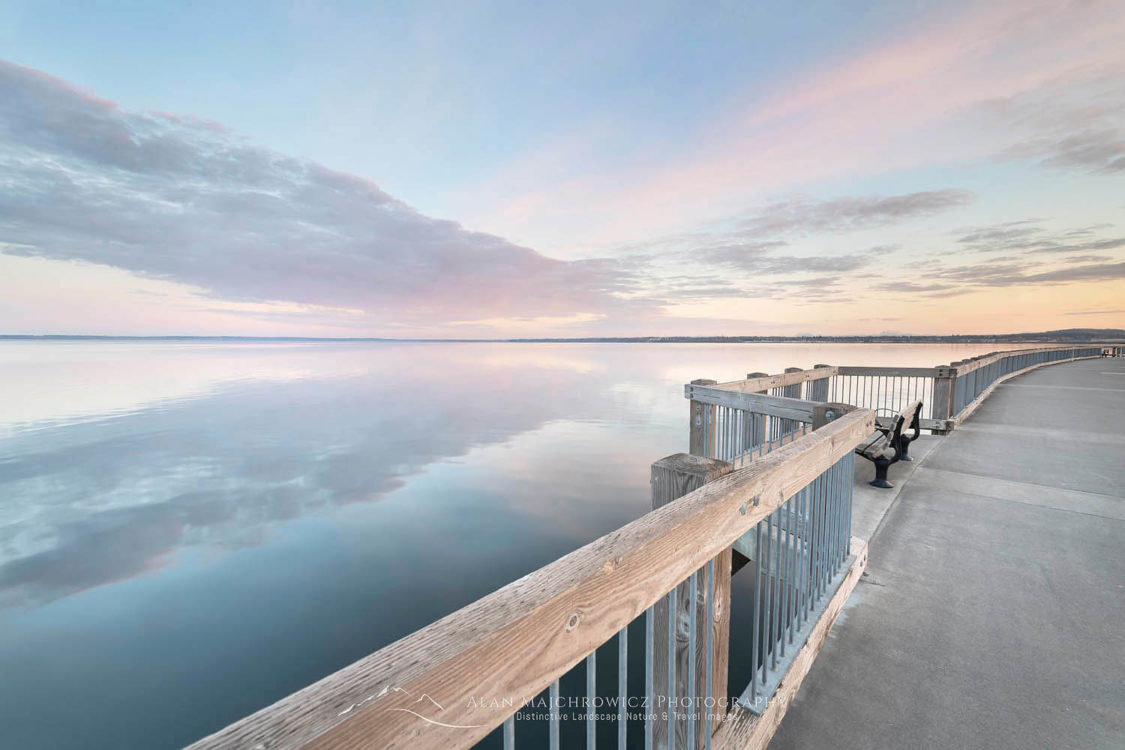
<point x="794" y="390"/>
<point x="824" y="414"/>
<point x="818" y="389"/>
<point x="942" y="408"/>
<point x="790" y="391"/>
<point x="756" y="435"/>
<point x="673" y="477"/>
<point x="702" y="422"/>
<point x="755" y="375"/>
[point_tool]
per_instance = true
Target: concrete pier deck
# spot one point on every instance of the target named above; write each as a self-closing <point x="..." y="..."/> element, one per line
<point x="992" y="614"/>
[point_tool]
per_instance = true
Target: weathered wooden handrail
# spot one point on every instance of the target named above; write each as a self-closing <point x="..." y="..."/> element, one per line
<point x="794" y="376"/>
<point x="760" y="403"/>
<point x="971" y="381"/>
<point x="983" y="360"/>
<point x="516" y="641"/>
<point x="894" y="372"/>
<point x="949" y="393"/>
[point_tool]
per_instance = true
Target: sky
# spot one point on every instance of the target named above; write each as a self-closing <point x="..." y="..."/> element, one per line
<point x="481" y="170"/>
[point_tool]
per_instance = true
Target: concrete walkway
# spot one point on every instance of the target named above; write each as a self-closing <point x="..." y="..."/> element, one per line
<point x="993" y="611"/>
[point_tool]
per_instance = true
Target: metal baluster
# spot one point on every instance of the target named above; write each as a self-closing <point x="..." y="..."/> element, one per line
<point x="814" y="543"/>
<point x="591" y="694"/>
<point x="554" y="721"/>
<point x="847" y="497"/>
<point x="783" y="559"/>
<point x="650" y="692"/>
<point x="837" y="518"/>
<point x="830" y="506"/>
<point x="791" y="586"/>
<point x="838" y="508"/>
<point x="622" y="685"/>
<point x="775" y="638"/>
<point x="693" y="603"/>
<point x="756" y="625"/>
<point x="841" y="540"/>
<point x="802" y="574"/>
<point x="672" y="667"/>
<point x="822" y="546"/>
<point x="709" y="666"/>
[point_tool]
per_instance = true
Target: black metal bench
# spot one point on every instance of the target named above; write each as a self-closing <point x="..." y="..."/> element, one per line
<point x="889" y="443"/>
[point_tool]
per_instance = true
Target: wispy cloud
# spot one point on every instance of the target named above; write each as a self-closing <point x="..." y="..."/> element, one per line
<point x="760" y="245"/>
<point x="1029" y="236"/>
<point x="1096" y="312"/>
<point x="914" y="287"/>
<point x="805" y="216"/>
<point x="184" y="200"/>
<point x="1066" y="126"/>
<point x="1017" y="274"/>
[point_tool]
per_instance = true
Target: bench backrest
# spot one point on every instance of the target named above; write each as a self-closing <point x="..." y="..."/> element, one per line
<point x="905" y="419"/>
<point x="908" y="417"/>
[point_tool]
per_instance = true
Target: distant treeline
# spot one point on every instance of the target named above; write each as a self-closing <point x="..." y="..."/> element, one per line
<point x="1068" y="335"/>
<point x="1045" y="337"/>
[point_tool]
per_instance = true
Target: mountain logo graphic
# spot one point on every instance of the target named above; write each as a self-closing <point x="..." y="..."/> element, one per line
<point x="428" y="706"/>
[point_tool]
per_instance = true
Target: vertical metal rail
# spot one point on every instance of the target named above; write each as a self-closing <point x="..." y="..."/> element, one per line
<point x="591" y="696"/>
<point x="885" y="393"/>
<point x="969" y="385"/>
<point x="691" y="694"/>
<point x="738" y="435"/>
<point x="709" y="667"/>
<point x="553" y="729"/>
<point x="755" y="621"/>
<point x="700" y="617"/>
<point x="803" y="552"/>
<point x="622" y="686"/>
<point x="650" y="692"/>
<point x="671" y="667"/>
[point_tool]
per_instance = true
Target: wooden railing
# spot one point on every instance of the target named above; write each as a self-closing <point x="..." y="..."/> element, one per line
<point x="453" y="682"/>
<point x="752" y="418"/>
<point x="971" y="380"/>
<point x="771" y="405"/>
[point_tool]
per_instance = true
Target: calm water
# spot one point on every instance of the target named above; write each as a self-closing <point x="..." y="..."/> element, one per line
<point x="189" y="532"/>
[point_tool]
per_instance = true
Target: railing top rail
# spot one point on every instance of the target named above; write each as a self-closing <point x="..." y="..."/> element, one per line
<point x="760" y="403"/>
<point x="519" y="639"/>
<point x="982" y="360"/>
<point x="905" y="372"/>
<point x="764" y="383"/>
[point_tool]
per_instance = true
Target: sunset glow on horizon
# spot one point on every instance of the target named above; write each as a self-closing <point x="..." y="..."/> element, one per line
<point x="510" y="171"/>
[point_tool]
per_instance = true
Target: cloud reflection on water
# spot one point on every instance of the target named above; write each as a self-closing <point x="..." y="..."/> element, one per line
<point x="98" y="500"/>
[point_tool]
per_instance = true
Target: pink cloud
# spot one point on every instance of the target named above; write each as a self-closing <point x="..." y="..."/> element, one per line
<point x="906" y="103"/>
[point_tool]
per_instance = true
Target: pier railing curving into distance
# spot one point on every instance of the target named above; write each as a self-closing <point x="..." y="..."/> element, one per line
<point x="739" y="420"/>
<point x="973" y="378"/>
<point x="633" y="629"/>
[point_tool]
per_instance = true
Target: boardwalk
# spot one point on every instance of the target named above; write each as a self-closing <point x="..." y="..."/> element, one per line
<point x="992" y="614"/>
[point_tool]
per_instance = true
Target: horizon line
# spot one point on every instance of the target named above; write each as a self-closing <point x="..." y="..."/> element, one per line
<point x="712" y="338"/>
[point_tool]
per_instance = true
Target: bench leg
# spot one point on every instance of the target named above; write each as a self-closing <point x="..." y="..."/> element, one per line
<point x="880" y="480"/>
<point x="904" y="449"/>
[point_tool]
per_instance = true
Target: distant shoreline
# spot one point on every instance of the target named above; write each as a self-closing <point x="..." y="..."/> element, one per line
<point x="1109" y="335"/>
